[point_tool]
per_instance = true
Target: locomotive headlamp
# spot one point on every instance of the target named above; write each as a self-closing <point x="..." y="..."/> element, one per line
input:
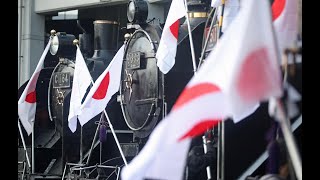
<point x="131" y="11"/>
<point x="137" y="11"/>
<point x="54" y="45"/>
<point x="62" y="45"/>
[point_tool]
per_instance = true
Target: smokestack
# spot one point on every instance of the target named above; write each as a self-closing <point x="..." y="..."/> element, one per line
<point x="105" y="40"/>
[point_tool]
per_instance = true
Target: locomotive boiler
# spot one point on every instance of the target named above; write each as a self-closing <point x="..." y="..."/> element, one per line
<point x="146" y="94"/>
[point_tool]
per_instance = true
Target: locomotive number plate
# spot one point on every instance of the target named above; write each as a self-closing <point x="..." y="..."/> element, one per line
<point x="133" y="60"/>
<point x="61" y="80"/>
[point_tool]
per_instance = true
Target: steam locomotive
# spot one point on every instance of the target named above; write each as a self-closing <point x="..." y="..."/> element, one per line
<point x="144" y="98"/>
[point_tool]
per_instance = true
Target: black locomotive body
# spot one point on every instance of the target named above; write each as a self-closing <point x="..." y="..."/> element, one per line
<point x="146" y="94"/>
<point x="54" y="143"/>
<point x="145" y="97"/>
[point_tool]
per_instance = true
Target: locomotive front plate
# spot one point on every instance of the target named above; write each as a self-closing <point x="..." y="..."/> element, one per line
<point x="61" y="80"/>
<point x="133" y="61"/>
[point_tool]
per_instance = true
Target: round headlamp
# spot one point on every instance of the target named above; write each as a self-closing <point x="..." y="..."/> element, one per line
<point x="137" y="11"/>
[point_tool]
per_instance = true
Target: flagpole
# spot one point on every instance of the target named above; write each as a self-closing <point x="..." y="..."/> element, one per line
<point x="284" y="120"/>
<point x="221" y="17"/>
<point x="81" y="148"/>
<point x="190" y="39"/>
<point x="94" y="139"/>
<point x="32" y="149"/>
<point x="115" y="138"/>
<point x="221" y="128"/>
<point x="289" y="140"/>
<point x="222" y="148"/>
<point x="76" y="42"/>
<point x="205" y="148"/>
<point x="23" y="143"/>
<point x="254" y="166"/>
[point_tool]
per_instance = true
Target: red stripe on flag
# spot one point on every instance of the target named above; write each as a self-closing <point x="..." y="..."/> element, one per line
<point x="31" y="92"/>
<point x="255" y="77"/>
<point x="31" y="97"/>
<point x="174" y="28"/>
<point x="200" y="128"/>
<point x="103" y="88"/>
<point x="277" y="8"/>
<point x="193" y="92"/>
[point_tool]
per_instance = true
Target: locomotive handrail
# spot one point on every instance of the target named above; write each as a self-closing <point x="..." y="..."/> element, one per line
<point x="121" y="95"/>
<point x="49" y="103"/>
<point x="49" y="90"/>
<point x="24" y="168"/>
<point x="70" y="164"/>
<point x="139" y="128"/>
<point x="208" y="36"/>
<point x="149" y="38"/>
<point x="94" y="167"/>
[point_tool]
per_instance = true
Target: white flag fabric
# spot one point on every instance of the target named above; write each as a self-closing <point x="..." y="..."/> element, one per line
<point x="215" y="3"/>
<point x="285" y="20"/>
<point x="241" y="72"/>
<point x="167" y="49"/>
<point x="293" y="96"/>
<point x="104" y="87"/>
<point x="231" y="10"/>
<point x="27" y="102"/>
<point x="81" y="81"/>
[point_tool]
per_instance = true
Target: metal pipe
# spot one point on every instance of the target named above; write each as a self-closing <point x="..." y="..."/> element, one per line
<point x="205" y="151"/>
<point x="222" y="149"/>
<point x="190" y="39"/>
<point x="118" y="173"/>
<point x="100" y="152"/>
<point x="60" y="102"/>
<point x="24" y="170"/>
<point x="81" y="148"/>
<point x="19" y="39"/>
<point x="94" y="166"/>
<point x="218" y="152"/>
<point x="64" y="171"/>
